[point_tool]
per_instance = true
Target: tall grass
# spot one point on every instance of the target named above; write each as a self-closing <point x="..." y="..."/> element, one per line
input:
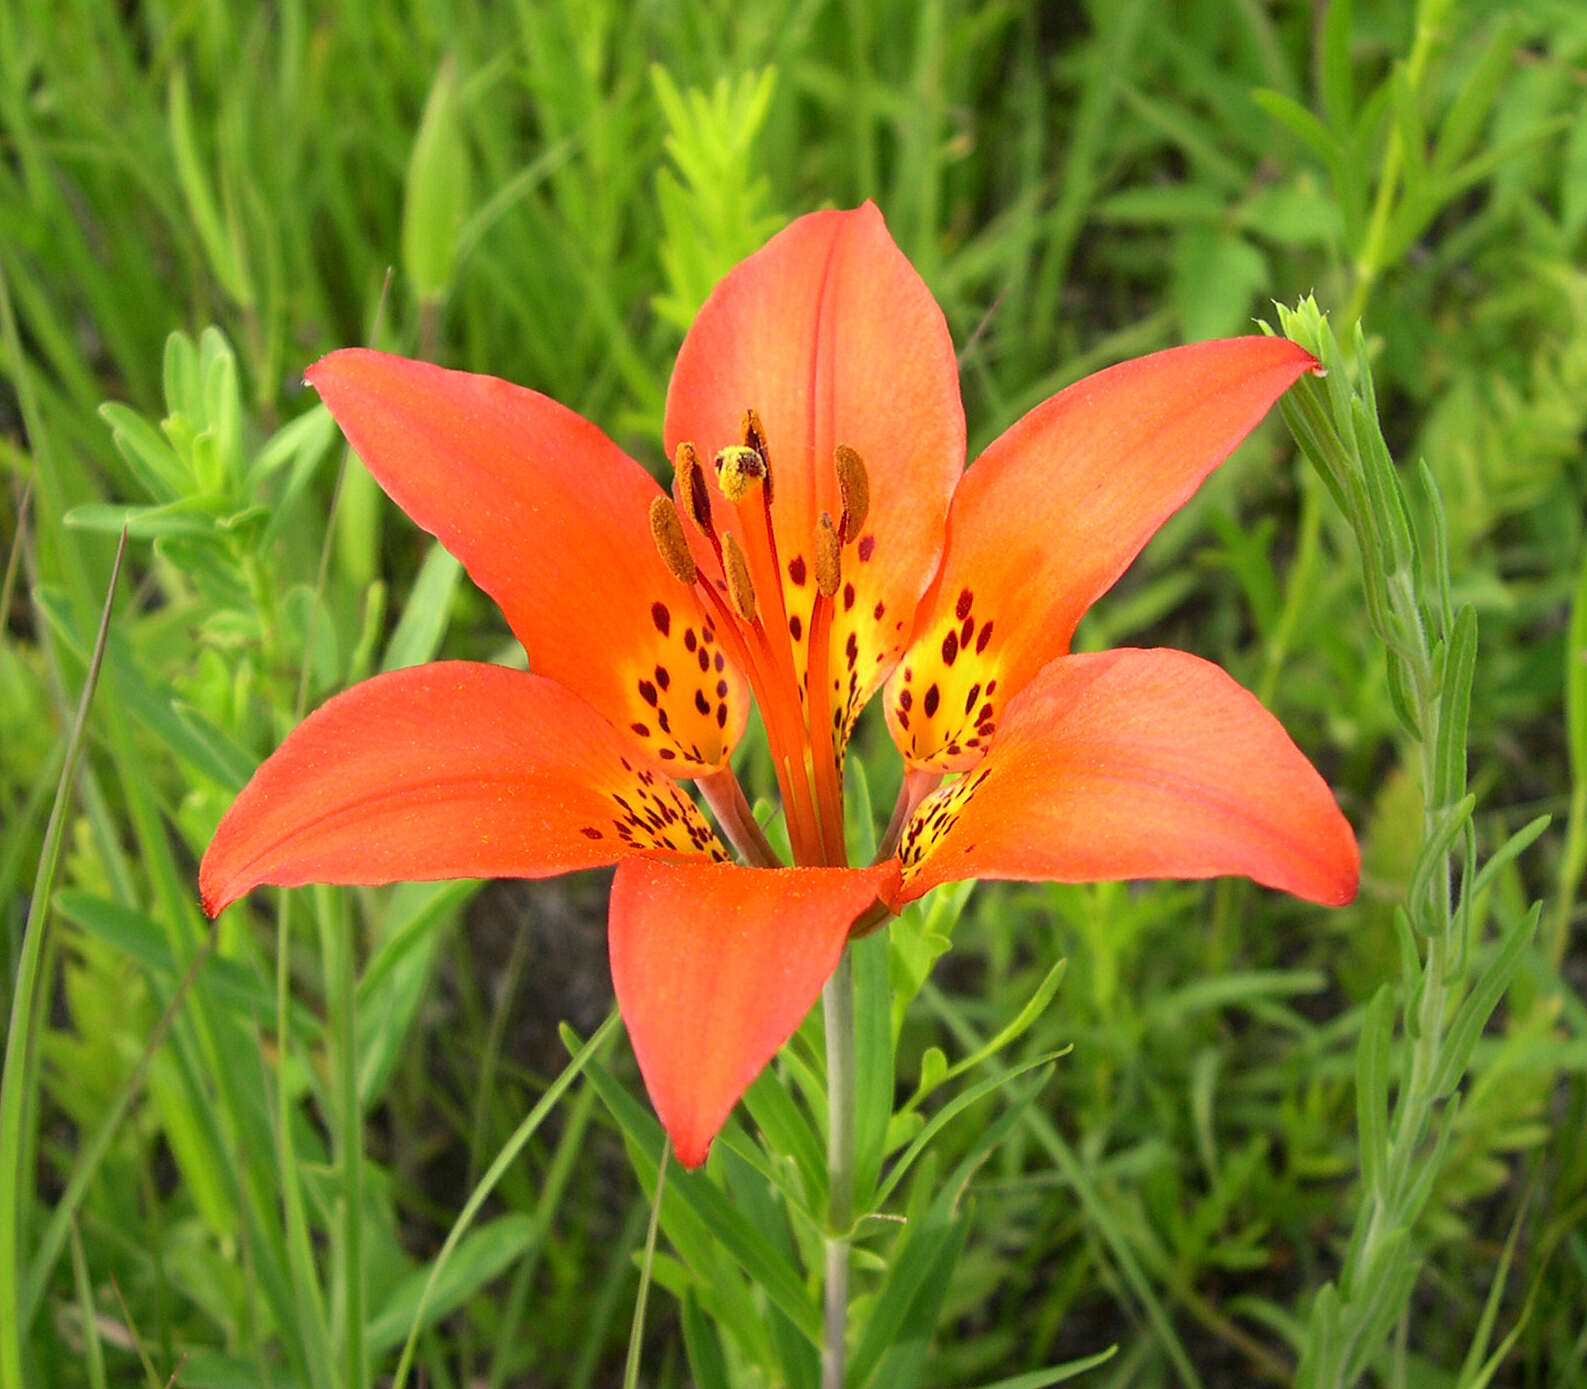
<point x="1234" y="1140"/>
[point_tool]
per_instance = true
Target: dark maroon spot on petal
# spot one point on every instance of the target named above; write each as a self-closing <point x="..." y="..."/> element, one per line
<point x="867" y="547"/>
<point x="848" y="596"/>
<point x="661" y="617"/>
<point x="991" y="687"/>
<point x="903" y="719"/>
<point x="966" y="631"/>
<point x="933" y="698"/>
<point x="708" y="635"/>
<point x="701" y="702"/>
<point x="969" y="699"/>
<point x="704" y="657"/>
<point x="642" y="729"/>
<point x="909" y="674"/>
<point x="721" y="716"/>
<point x="689" y="642"/>
<point x="879" y="610"/>
<point x="718" y="662"/>
<point x="851" y="649"/>
<point x="796" y="629"/>
<point x="666" y="754"/>
<point x="906" y="700"/>
<point x="962" y="608"/>
<point x="661" y="718"/>
<point x="663" y="679"/>
<point x="721" y="689"/>
<point x="984" y="637"/>
<point x="590" y="832"/>
<point x="796" y="569"/>
<point x="950" y="648"/>
<point x="647" y="692"/>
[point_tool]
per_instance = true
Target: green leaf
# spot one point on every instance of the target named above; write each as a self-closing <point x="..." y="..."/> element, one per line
<point x="1372" y="1090"/>
<point x="1454" y="711"/>
<point x="1431" y="864"/>
<point x="1412" y="134"/>
<point x="1337" y="90"/>
<point x="950" y="1111"/>
<point x="1573" y="180"/>
<point x="1300" y="123"/>
<point x="1479" y="1004"/>
<point x="701" y="1345"/>
<point x="873" y="1062"/>
<point x="219" y="240"/>
<point x="1034" y="1007"/>
<point x="191" y="516"/>
<point x="1217" y="274"/>
<point x="150" y="457"/>
<point x="1054" y="1374"/>
<point x="437" y="189"/>
<point x="1463" y="121"/>
<point x="787" y="1131"/>
<point x="422" y="625"/>
<point x="473" y="1262"/>
<point x="707" y="1206"/>
<point x="1576" y="679"/>
<point x="922" y="1266"/>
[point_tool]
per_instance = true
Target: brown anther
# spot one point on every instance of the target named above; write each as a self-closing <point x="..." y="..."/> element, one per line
<point x="754" y="435"/>
<point x="739" y="468"/>
<point x="739" y="587"/>
<point x="854" y="488"/>
<point x="691" y="488"/>
<point x="829" y="567"/>
<point x="667" y="531"/>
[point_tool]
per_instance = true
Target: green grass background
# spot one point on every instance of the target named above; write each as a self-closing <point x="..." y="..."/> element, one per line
<point x="233" y="1158"/>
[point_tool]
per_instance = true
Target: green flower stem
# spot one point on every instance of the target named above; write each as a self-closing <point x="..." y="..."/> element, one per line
<point x="1336" y="425"/>
<point x="837" y="1012"/>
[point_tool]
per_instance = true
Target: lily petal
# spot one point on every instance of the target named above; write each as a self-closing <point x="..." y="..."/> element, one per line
<point x="833" y="338"/>
<point x="715" y="966"/>
<point x="1050" y="516"/>
<point x="1136" y="764"/>
<point x="451" y="770"/>
<point x="552" y="520"/>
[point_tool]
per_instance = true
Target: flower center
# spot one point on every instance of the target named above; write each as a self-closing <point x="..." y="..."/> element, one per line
<point x="786" y="654"/>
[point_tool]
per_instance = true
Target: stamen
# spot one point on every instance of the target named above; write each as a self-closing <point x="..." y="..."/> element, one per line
<point x="854" y="487"/>
<point x="754" y="433"/>
<point x="696" y="496"/>
<point x="667" y="531"/>
<point x="829" y="567"/>
<point x="738" y="468"/>
<point x="739" y="587"/>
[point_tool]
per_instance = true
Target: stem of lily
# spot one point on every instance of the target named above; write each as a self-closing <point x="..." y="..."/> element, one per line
<point x="837" y="1012"/>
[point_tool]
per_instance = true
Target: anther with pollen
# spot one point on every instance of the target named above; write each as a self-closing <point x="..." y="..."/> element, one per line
<point x="854" y="490"/>
<point x="667" y="531"/>
<point x="692" y="490"/>
<point x="829" y="567"/>
<point x="739" y="587"/>
<point x="754" y="436"/>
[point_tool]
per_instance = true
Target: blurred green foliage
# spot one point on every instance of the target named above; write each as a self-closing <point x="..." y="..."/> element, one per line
<point x="244" y="1149"/>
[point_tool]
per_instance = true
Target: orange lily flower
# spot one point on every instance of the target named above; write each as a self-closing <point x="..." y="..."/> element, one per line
<point x="823" y="543"/>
